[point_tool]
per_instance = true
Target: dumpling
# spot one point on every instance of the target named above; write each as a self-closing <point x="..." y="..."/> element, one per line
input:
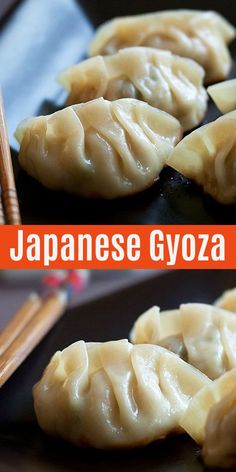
<point x="160" y="328"/>
<point x="200" y="35"/>
<point x="208" y="156"/>
<point x="114" y="394"/>
<point x="195" y="419"/>
<point x="219" y="449"/>
<point x="211" y="421"/>
<point x="99" y="148"/>
<point x="165" y="81"/>
<point x="227" y="300"/>
<point x="224" y="95"/>
<point x="153" y="325"/>
<point x="203" y="335"/>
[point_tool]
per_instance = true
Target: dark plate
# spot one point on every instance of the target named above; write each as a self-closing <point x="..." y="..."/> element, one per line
<point x="30" y="59"/>
<point x="23" y="447"/>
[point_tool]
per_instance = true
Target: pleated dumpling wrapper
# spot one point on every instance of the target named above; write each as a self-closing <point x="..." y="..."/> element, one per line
<point x="200" y="35"/>
<point x="114" y="394"/>
<point x="227" y="300"/>
<point x="224" y="95"/>
<point x="219" y="448"/>
<point x="195" y="419"/>
<point x="208" y="156"/>
<point x="166" y="81"/>
<point x="99" y="148"/>
<point x="203" y="335"/>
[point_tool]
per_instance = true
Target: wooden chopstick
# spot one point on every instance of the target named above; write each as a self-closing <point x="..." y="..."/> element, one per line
<point x="2" y="216"/>
<point x="39" y="325"/>
<point x="9" y="195"/>
<point x="19" y="321"/>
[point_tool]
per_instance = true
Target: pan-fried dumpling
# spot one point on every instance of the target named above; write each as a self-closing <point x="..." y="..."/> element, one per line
<point x="224" y="95"/>
<point x="208" y="156"/>
<point x="203" y="335"/>
<point x="171" y="83"/>
<point x="219" y="449"/>
<point x="195" y="419"/>
<point x="114" y="394"/>
<point x="227" y="300"/>
<point x="99" y="148"/>
<point x="202" y="36"/>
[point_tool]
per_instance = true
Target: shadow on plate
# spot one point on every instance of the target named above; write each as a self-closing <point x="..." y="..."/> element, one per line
<point x="34" y="451"/>
<point x="171" y="200"/>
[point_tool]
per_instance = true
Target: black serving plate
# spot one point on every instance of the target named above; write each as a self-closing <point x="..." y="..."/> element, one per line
<point x="23" y="447"/>
<point x="39" y="39"/>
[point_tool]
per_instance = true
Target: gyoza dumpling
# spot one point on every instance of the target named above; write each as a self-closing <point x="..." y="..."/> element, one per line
<point x="99" y="148"/>
<point x="160" y="328"/>
<point x="224" y="95"/>
<point x="200" y="35"/>
<point x="114" y="394"/>
<point x="208" y="156"/>
<point x="227" y="300"/>
<point x="203" y="335"/>
<point x="195" y="419"/>
<point x="219" y="449"/>
<point x="171" y="83"/>
<point x="153" y="325"/>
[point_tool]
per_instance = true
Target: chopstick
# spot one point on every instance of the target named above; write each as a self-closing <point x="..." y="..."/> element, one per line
<point x="19" y="321"/>
<point x="32" y="333"/>
<point x="2" y="216"/>
<point x="6" y="6"/>
<point x="8" y="189"/>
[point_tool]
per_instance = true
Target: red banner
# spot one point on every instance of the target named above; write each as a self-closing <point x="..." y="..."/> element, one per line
<point x="118" y="247"/>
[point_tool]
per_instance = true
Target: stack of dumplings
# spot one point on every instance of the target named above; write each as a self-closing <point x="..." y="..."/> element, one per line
<point x="178" y="375"/>
<point x="103" y="147"/>
<point x="202" y="36"/>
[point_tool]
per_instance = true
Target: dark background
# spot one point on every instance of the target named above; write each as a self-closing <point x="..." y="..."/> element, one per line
<point x="100" y="11"/>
